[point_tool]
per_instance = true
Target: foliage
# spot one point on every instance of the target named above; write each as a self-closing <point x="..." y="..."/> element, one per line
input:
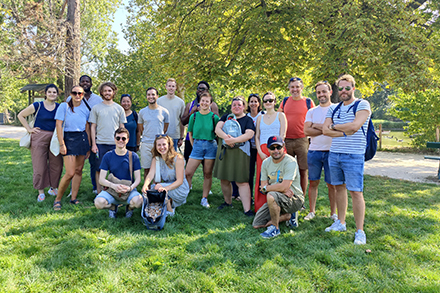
<point x="389" y="125"/>
<point x="380" y="103"/>
<point x="257" y="45"/>
<point x="206" y="250"/>
<point x="422" y="110"/>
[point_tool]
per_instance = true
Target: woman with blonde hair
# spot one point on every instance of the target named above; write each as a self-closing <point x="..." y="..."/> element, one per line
<point x="171" y="167"/>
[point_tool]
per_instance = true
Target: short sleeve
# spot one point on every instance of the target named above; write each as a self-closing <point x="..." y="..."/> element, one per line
<point x="166" y="116"/>
<point x="61" y="112"/>
<point x="264" y="171"/>
<point x="309" y="116"/>
<point x="122" y="118"/>
<point x="140" y="119"/>
<point x="364" y="105"/>
<point x="136" y="162"/>
<point x="191" y="123"/>
<point x="92" y="116"/>
<point x="216" y="119"/>
<point x="105" y="163"/>
<point x="224" y="117"/>
<point x="330" y="111"/>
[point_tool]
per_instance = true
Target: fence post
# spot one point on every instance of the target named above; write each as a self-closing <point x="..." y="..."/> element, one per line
<point x="380" y="136"/>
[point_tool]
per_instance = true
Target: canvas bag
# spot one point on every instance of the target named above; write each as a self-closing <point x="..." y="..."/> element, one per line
<point x="113" y="179"/>
<point x="25" y="141"/>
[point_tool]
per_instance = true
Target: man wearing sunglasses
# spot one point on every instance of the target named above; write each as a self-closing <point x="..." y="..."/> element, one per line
<point x="191" y="108"/>
<point x="117" y="162"/>
<point x="347" y="154"/>
<point x="280" y="181"/>
<point x="295" y="108"/>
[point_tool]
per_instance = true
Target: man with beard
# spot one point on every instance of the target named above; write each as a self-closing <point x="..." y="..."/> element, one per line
<point x="280" y="181"/>
<point x="191" y="108"/>
<point x="153" y="120"/>
<point x="176" y="107"/>
<point x="347" y="124"/>
<point x="317" y="156"/>
<point x="105" y="118"/>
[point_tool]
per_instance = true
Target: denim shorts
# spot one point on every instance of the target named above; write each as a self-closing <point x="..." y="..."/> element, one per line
<point x="316" y="160"/>
<point x="204" y="149"/>
<point x="112" y="200"/>
<point x="347" y="169"/>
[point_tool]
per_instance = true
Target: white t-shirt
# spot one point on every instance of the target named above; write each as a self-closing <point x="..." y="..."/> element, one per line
<point x="320" y="142"/>
<point x="153" y="121"/>
<point x="175" y="107"/>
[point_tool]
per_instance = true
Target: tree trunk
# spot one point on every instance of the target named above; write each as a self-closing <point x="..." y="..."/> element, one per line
<point x="73" y="54"/>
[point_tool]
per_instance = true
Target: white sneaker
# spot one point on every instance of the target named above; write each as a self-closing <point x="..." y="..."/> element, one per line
<point x="360" y="238"/>
<point x="336" y="226"/>
<point x="310" y="216"/>
<point x="53" y="191"/>
<point x="95" y="191"/>
<point x="334" y="217"/>
<point x="204" y="202"/>
<point x="70" y="193"/>
<point x="210" y="192"/>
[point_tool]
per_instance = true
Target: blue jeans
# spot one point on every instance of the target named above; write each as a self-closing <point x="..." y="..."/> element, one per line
<point x="111" y="200"/>
<point x="316" y="161"/>
<point x="347" y="169"/>
<point x="204" y="149"/>
<point x="175" y="141"/>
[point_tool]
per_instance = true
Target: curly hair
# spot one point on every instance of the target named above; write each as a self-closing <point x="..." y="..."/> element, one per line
<point x="171" y="153"/>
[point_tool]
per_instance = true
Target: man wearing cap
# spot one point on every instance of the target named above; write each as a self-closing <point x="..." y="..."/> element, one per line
<point x="280" y="181"/>
<point x="295" y="108"/>
<point x="176" y="107"/>
<point x="191" y="108"/>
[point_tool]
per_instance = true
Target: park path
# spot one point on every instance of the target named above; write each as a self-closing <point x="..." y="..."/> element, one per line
<point x="412" y="167"/>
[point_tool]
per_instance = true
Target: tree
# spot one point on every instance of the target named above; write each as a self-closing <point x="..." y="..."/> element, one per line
<point x="257" y="45"/>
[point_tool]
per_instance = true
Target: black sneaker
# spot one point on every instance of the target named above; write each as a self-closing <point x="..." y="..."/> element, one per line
<point x="112" y="213"/>
<point x="249" y="213"/>
<point x="225" y="205"/>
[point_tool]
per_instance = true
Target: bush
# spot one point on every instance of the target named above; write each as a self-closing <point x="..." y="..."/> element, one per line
<point x="389" y="125"/>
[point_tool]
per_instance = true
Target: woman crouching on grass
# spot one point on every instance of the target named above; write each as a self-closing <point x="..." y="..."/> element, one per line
<point x="201" y="131"/>
<point x="172" y="173"/>
<point x="74" y="142"/>
<point x="47" y="167"/>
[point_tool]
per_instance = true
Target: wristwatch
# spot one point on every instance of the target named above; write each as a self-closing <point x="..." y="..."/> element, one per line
<point x="332" y="127"/>
<point x="264" y="190"/>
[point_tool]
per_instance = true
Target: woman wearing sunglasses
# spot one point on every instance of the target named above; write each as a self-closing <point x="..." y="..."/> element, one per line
<point x="47" y="167"/>
<point x="171" y="171"/>
<point x="270" y="124"/>
<point x="74" y="136"/>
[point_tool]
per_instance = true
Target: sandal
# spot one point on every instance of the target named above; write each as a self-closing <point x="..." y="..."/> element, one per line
<point x="57" y="205"/>
<point x="41" y="197"/>
<point x="75" y="201"/>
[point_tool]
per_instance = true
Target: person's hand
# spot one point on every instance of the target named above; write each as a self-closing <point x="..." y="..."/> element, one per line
<point x="263" y="156"/>
<point x="63" y="149"/>
<point x="34" y="130"/>
<point x="120" y="188"/>
<point x="230" y="141"/>
<point x="194" y="109"/>
<point x="288" y="192"/>
<point x="179" y="143"/>
<point x="94" y="148"/>
<point x="159" y="187"/>
<point x="145" y="188"/>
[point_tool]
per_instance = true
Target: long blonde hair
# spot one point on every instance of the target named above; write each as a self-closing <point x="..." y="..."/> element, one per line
<point x="171" y="153"/>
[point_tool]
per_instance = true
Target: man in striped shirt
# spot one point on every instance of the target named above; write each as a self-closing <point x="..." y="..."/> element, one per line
<point x="347" y="152"/>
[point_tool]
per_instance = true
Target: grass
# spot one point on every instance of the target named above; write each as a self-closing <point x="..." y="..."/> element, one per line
<point x="80" y="249"/>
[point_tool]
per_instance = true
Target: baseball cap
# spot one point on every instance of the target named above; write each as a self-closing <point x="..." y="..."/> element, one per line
<point x="276" y="139"/>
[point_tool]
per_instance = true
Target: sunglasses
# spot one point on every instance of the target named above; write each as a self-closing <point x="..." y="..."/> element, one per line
<point x="118" y="138"/>
<point x="161" y="135"/>
<point x="253" y="95"/>
<point x="269" y="101"/>
<point x="347" y="88"/>
<point x="77" y="93"/>
<point x="295" y="79"/>
<point x="202" y="88"/>
<point x="277" y="147"/>
<point x="125" y="95"/>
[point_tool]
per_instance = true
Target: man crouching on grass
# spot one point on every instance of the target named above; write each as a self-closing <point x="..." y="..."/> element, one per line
<point x="280" y="181"/>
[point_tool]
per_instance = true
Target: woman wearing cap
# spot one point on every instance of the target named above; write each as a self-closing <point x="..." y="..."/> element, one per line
<point x="132" y="123"/>
<point x="271" y="123"/>
<point x="47" y="167"/>
<point x="232" y="161"/>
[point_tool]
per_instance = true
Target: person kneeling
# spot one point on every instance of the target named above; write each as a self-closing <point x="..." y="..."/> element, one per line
<point x="280" y="181"/>
<point x="119" y="186"/>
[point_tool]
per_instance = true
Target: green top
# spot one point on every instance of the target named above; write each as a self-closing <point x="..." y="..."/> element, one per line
<point x="203" y="127"/>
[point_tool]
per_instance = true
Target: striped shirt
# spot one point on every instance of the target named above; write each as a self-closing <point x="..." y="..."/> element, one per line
<point x="350" y="144"/>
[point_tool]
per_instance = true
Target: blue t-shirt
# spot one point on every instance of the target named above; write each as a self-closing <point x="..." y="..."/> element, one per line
<point x="45" y="119"/>
<point x="350" y="144"/>
<point x="119" y="166"/>
<point x="74" y="121"/>
<point x="131" y="126"/>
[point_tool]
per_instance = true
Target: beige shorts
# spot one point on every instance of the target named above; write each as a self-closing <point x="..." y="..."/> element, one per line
<point x="298" y="147"/>
<point x="146" y="155"/>
<point x="287" y="204"/>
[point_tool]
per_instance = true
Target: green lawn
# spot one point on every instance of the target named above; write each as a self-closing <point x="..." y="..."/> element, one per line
<point x="79" y="249"/>
<point x="395" y="139"/>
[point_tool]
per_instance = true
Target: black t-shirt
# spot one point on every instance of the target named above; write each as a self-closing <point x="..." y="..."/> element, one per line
<point x="245" y="122"/>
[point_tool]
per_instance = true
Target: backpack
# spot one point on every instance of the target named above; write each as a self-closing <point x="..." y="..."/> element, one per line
<point x="371" y="136"/>
<point x="212" y="116"/>
<point x="232" y="128"/>
<point x="308" y="103"/>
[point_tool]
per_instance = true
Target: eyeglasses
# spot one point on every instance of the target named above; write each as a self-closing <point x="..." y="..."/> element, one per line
<point x="161" y="135"/>
<point x="269" y="101"/>
<point x="295" y="79"/>
<point x="118" y="138"/>
<point x="202" y="88"/>
<point x="277" y="147"/>
<point x="77" y="93"/>
<point x="347" y="88"/>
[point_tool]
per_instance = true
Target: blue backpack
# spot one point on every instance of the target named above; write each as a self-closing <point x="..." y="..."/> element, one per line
<point x="371" y="136"/>
<point x="233" y="128"/>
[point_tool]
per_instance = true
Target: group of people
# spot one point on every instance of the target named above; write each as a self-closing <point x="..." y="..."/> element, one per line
<point x="230" y="148"/>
